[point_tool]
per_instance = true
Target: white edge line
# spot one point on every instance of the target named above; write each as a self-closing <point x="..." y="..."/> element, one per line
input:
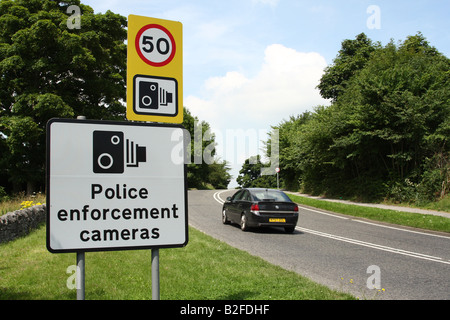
<point x="401" y="229"/>
<point x="375" y="246"/>
<point x="377" y="224"/>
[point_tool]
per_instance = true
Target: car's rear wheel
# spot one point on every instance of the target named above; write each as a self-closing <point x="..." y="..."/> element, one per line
<point x="244" y="226"/>
<point x="224" y="217"/>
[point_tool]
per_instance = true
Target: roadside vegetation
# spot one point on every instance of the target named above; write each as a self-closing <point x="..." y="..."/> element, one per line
<point x="385" y="135"/>
<point x="19" y="201"/>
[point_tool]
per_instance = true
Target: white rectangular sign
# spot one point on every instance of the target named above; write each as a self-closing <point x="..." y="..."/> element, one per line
<point x="115" y="186"/>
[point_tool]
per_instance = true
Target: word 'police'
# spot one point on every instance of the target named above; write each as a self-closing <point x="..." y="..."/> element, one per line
<point x="118" y="192"/>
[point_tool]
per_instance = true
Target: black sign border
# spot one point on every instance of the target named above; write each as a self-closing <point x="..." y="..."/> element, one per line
<point x="164" y="115"/>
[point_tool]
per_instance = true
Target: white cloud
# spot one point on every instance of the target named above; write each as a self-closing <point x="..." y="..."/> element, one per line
<point x="284" y="86"/>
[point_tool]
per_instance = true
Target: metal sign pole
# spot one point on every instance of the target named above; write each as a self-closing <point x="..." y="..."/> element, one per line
<point x="80" y="261"/>
<point x="277" y="170"/>
<point x="80" y="275"/>
<point x="155" y="274"/>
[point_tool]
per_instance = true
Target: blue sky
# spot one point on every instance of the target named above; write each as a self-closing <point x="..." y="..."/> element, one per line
<point x="249" y="64"/>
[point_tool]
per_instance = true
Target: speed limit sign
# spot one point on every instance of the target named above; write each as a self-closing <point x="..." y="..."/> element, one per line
<point x="155" y="45"/>
<point x="154" y="70"/>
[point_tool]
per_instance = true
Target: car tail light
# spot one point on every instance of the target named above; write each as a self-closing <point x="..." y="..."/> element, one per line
<point x="296" y="208"/>
<point x="254" y="207"/>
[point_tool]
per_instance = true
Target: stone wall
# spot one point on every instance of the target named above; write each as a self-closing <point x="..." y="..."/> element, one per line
<point x="19" y="223"/>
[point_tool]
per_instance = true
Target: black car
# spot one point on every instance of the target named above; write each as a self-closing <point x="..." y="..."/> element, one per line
<point x="258" y="207"/>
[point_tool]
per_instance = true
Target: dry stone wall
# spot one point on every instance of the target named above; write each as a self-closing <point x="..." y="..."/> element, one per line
<point x="19" y="223"/>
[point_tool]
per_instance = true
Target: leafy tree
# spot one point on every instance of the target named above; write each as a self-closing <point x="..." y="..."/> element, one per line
<point x="48" y="70"/>
<point x="352" y="57"/>
<point x="393" y="106"/>
<point x="201" y="171"/>
<point x="289" y="140"/>
<point x="386" y="132"/>
<point x="250" y="175"/>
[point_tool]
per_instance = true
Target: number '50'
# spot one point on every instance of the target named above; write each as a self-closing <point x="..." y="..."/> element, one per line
<point x="162" y="45"/>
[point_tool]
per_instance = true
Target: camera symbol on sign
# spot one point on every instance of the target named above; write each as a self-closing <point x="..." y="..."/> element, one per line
<point x="152" y="96"/>
<point x="155" y="96"/>
<point x="111" y="152"/>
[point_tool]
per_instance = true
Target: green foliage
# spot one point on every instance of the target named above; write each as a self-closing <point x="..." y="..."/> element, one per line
<point x="250" y="175"/>
<point x="353" y="56"/>
<point x="385" y="134"/>
<point x="3" y="194"/>
<point x="204" y="168"/>
<point x="48" y="70"/>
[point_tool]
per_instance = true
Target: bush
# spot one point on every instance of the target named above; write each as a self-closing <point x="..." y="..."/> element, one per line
<point x="402" y="192"/>
<point x="3" y="194"/>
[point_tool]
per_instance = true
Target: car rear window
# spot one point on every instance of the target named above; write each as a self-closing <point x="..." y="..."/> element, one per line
<point x="270" y="195"/>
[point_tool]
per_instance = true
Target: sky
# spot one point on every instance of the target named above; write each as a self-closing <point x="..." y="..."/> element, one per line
<point x="251" y="64"/>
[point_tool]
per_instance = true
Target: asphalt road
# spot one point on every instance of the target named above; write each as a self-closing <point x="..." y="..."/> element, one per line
<point x="341" y="252"/>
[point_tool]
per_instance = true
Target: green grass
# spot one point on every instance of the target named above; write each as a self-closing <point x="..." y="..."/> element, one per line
<point x="440" y="205"/>
<point x="423" y="221"/>
<point x="205" y="269"/>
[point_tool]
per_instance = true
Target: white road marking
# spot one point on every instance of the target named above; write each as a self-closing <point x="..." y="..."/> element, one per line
<point x="374" y="246"/>
<point x="217" y="196"/>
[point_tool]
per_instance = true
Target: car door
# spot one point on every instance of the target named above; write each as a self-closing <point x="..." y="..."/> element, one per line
<point x="244" y="203"/>
<point x="233" y="206"/>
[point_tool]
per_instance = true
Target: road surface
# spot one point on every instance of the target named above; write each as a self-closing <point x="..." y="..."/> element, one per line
<point x="344" y="253"/>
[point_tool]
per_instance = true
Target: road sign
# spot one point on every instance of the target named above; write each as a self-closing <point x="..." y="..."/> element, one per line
<point x="155" y="45"/>
<point x="115" y="186"/>
<point x="154" y="70"/>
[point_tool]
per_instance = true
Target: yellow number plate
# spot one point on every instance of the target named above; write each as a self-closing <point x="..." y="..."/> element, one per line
<point x="276" y="220"/>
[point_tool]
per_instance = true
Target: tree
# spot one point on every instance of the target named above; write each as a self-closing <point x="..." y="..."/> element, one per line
<point x="201" y="171"/>
<point x="387" y="130"/>
<point x="352" y="57"/>
<point x="250" y="175"/>
<point x="289" y="149"/>
<point x="397" y="103"/>
<point x="48" y="70"/>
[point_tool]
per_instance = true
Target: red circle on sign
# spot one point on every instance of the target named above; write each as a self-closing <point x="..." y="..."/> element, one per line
<point x="143" y="57"/>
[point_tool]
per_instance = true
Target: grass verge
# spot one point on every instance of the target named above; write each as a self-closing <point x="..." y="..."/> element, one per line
<point x="440" y="205"/>
<point x="205" y="269"/>
<point x="416" y="220"/>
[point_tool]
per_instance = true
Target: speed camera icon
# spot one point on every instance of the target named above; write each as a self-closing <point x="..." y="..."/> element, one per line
<point x="155" y="96"/>
<point x="112" y="152"/>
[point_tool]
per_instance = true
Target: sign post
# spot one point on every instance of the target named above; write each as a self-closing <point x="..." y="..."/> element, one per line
<point x="80" y="275"/>
<point x="119" y="185"/>
<point x="277" y="170"/>
<point x="155" y="274"/>
<point x="154" y="82"/>
<point x="80" y="278"/>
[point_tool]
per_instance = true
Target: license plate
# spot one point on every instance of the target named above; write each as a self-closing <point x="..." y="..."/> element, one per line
<point x="276" y="220"/>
